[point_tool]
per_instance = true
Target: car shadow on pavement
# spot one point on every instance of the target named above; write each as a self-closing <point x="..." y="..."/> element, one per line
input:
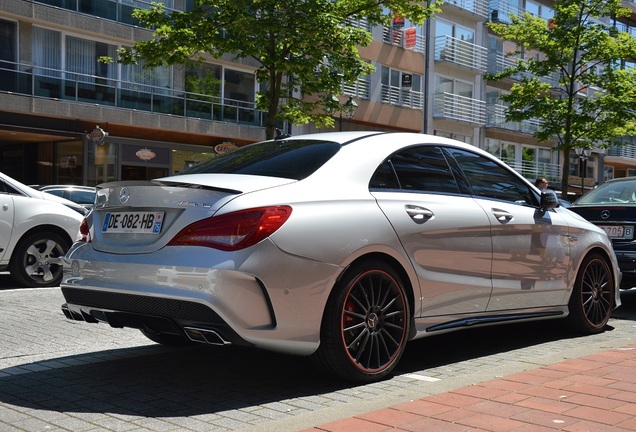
<point x="169" y="382"/>
<point x="164" y="382"/>
<point x="160" y="382"/>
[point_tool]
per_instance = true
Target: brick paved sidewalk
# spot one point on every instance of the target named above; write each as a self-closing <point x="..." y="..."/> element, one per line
<point x="595" y="393"/>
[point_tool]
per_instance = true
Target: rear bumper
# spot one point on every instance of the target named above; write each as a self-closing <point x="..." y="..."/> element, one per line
<point x="157" y="315"/>
<point x="265" y="298"/>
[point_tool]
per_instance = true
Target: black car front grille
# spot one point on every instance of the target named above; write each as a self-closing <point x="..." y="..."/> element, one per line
<point x="179" y="310"/>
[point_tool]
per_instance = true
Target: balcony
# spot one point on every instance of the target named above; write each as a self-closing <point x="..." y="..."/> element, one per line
<point x="461" y="52"/>
<point x="477" y="7"/>
<point x="533" y="169"/>
<point x="498" y="61"/>
<point x="114" y="10"/>
<point x="404" y="97"/>
<point x="81" y="88"/>
<point x="360" y="88"/>
<point x="460" y="108"/>
<point x="496" y="118"/>
<point x="500" y="11"/>
<point x="624" y="151"/>
<point x="395" y="36"/>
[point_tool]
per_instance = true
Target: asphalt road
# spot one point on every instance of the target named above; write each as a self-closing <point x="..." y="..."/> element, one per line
<point x="58" y="375"/>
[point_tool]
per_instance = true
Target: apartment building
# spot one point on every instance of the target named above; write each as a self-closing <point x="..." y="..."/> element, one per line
<point x="67" y="118"/>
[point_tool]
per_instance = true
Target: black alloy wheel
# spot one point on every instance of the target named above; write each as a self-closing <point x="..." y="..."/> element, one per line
<point x="366" y="324"/>
<point x="592" y="298"/>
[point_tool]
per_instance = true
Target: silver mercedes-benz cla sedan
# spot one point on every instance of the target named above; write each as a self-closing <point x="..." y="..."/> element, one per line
<point x="339" y="246"/>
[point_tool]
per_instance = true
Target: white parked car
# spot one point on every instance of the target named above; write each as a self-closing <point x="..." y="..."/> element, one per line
<point x="36" y="230"/>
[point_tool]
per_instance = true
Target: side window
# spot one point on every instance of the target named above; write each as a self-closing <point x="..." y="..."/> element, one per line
<point x="489" y="179"/>
<point x="8" y="189"/>
<point x="384" y="177"/>
<point x="422" y="168"/>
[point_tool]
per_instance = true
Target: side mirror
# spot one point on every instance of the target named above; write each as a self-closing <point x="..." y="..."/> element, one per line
<point x="549" y="199"/>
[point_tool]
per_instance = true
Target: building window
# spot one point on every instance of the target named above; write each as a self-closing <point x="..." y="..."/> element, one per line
<point x="219" y="93"/>
<point x="8" y="44"/>
<point x="453" y="86"/>
<point x="9" y="79"/>
<point x="82" y="58"/>
<point x="401" y="88"/>
<point x="47" y="52"/>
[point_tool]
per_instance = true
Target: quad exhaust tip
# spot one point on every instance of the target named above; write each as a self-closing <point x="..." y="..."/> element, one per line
<point x="205" y="336"/>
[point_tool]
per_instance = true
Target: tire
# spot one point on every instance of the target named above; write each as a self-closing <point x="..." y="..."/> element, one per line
<point x="37" y="260"/>
<point x="592" y="297"/>
<point x="365" y="325"/>
<point x="167" y="339"/>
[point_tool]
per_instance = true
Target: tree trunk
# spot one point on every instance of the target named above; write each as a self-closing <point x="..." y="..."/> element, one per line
<point x="565" y="175"/>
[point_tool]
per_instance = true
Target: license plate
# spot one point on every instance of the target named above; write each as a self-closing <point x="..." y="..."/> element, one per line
<point x="133" y="222"/>
<point x="621" y="232"/>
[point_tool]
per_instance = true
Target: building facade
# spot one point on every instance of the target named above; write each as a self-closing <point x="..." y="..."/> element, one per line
<point x="67" y="118"/>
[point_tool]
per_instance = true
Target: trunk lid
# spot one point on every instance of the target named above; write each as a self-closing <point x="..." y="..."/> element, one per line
<point x="143" y="216"/>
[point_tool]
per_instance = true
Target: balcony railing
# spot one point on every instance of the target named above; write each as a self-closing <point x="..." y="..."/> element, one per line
<point x="115" y="10"/>
<point x="403" y="97"/>
<point x="496" y="118"/>
<point x="498" y="61"/>
<point x="500" y="11"/>
<point x="626" y="150"/>
<point x="461" y="52"/>
<point x="395" y="36"/>
<point x="360" y="88"/>
<point x="478" y="7"/>
<point x="455" y="107"/>
<point x="82" y="88"/>
<point x="533" y="169"/>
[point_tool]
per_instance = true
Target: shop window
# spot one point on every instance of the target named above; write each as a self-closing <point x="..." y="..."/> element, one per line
<point x="68" y="165"/>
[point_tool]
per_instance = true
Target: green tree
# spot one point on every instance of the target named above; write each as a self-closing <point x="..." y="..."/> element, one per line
<point x="577" y="85"/>
<point x="305" y="47"/>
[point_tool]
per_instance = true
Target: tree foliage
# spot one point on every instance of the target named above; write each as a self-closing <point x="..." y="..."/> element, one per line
<point x="577" y="85"/>
<point x="302" y="47"/>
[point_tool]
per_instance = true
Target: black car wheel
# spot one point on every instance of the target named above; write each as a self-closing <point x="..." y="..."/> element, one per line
<point x="37" y="260"/>
<point x="592" y="298"/>
<point x="365" y="325"/>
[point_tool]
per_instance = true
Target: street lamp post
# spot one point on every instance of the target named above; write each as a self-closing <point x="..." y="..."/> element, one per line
<point x="349" y="108"/>
<point x="583" y="154"/>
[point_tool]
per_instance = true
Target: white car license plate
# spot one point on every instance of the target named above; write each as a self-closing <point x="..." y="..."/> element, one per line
<point x="133" y="222"/>
<point x="619" y="231"/>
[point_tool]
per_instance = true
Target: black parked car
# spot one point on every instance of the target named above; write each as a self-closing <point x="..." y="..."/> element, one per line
<point x="612" y="206"/>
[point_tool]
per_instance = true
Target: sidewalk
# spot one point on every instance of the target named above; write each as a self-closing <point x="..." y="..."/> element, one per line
<point x="595" y="393"/>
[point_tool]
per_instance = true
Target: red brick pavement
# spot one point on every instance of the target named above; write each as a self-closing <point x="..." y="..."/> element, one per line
<point x="596" y="393"/>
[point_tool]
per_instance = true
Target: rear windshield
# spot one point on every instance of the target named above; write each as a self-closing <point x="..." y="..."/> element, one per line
<point x="293" y="159"/>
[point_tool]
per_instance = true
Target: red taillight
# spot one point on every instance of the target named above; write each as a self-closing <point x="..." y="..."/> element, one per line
<point x="84" y="232"/>
<point x="233" y="231"/>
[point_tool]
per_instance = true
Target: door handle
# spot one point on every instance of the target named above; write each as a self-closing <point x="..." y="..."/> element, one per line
<point x="418" y="214"/>
<point x="502" y="215"/>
